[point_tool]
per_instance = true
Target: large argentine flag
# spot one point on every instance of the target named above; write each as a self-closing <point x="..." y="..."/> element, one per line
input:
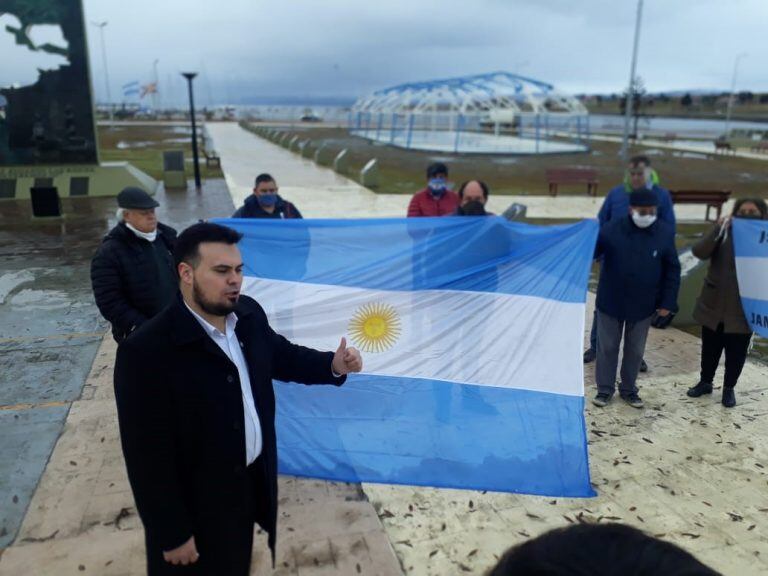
<point x="471" y="332"/>
<point x="750" y="241"/>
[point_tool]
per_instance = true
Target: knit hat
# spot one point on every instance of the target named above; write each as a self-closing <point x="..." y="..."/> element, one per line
<point x="643" y="198"/>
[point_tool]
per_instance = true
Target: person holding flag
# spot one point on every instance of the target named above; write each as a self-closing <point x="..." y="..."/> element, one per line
<point x="724" y="326"/>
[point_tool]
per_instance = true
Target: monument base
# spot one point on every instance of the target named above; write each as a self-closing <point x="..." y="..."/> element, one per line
<point x="106" y="179"/>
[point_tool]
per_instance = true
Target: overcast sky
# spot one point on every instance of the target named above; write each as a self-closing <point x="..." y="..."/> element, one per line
<point x="351" y="47"/>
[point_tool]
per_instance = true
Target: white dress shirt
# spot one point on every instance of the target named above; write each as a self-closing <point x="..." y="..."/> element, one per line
<point x="231" y="346"/>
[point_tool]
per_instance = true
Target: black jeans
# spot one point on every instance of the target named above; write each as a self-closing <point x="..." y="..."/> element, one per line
<point x="713" y="342"/>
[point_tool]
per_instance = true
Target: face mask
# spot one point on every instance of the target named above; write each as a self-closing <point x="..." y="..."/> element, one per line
<point x="148" y="236"/>
<point x="643" y="221"/>
<point x="267" y="199"/>
<point x="437" y="187"/>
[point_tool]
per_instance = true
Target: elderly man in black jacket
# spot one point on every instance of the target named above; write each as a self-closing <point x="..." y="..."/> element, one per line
<point x="198" y="426"/>
<point x="133" y="274"/>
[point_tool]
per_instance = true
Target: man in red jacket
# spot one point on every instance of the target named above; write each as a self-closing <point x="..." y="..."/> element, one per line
<point x="436" y="199"/>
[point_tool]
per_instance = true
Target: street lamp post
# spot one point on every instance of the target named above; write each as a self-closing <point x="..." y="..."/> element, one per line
<point x="730" y="97"/>
<point x="101" y="26"/>
<point x="190" y="76"/>
<point x="630" y="91"/>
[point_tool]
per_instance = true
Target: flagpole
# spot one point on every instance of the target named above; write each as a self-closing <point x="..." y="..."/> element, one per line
<point x="629" y="102"/>
<point x="155" y="94"/>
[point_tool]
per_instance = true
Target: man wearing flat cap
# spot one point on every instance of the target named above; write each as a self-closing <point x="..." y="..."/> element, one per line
<point x="640" y="277"/>
<point x="133" y="273"/>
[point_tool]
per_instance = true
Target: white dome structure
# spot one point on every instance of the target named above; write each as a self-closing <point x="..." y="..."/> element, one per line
<point x="498" y="112"/>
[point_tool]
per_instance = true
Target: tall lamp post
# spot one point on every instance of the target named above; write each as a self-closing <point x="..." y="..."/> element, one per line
<point x="630" y="91"/>
<point x="190" y="76"/>
<point x="730" y="97"/>
<point x="101" y="26"/>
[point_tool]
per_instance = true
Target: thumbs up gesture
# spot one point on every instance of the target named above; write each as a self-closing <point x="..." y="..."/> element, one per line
<point x="346" y="360"/>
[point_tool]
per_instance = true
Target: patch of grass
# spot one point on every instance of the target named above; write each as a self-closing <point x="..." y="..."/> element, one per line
<point x="143" y="147"/>
<point x="403" y="171"/>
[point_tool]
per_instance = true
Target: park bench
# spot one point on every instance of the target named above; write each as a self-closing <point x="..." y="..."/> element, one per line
<point x="712" y="198"/>
<point x="761" y="147"/>
<point x="668" y="137"/>
<point x="211" y="158"/>
<point x="724" y="147"/>
<point x="557" y="176"/>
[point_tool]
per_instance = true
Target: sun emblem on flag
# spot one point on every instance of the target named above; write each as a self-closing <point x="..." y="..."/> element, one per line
<point x="375" y="327"/>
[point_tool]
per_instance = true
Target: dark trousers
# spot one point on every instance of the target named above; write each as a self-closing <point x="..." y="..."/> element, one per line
<point x="224" y="543"/>
<point x="713" y="342"/>
<point x="609" y="336"/>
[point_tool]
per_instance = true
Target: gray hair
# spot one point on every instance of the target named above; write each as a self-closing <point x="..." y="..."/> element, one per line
<point x="120" y="214"/>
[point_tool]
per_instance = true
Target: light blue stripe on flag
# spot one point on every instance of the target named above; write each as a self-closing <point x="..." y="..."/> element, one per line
<point x="750" y="242"/>
<point x="471" y="254"/>
<point x="471" y="330"/>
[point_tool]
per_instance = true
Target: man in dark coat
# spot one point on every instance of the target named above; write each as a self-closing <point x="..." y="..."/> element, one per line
<point x="265" y="202"/>
<point x="639" y="176"/>
<point x="133" y="274"/>
<point x="640" y="276"/>
<point x="198" y="428"/>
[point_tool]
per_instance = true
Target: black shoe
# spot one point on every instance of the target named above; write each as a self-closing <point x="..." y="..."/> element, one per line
<point x="699" y="390"/>
<point x="729" y="397"/>
<point x="643" y="366"/>
<point x="590" y="355"/>
<point x="601" y="400"/>
<point x="633" y="400"/>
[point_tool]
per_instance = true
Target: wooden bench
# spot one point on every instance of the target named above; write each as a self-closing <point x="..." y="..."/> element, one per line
<point x="724" y="147"/>
<point x="712" y="198"/>
<point x="557" y="176"/>
<point x="211" y="159"/>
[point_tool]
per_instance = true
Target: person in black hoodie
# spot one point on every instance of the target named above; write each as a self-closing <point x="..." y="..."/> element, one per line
<point x="265" y="202"/>
<point x="133" y="273"/>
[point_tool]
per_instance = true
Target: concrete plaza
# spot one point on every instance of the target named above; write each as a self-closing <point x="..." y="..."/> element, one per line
<point x="688" y="471"/>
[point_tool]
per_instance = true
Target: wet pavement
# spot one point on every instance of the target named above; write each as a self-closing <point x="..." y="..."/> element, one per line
<point x="50" y="328"/>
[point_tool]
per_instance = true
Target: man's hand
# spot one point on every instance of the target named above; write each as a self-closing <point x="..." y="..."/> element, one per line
<point x="663" y="312"/>
<point x="346" y="360"/>
<point x="184" y="554"/>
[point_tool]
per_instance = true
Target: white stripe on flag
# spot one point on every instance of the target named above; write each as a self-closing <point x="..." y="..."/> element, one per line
<point x="752" y="274"/>
<point x="478" y="338"/>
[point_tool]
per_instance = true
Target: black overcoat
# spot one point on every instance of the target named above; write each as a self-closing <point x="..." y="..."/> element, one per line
<point x="124" y="277"/>
<point x="181" y="420"/>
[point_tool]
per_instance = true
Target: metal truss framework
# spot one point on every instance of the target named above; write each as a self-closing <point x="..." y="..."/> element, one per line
<point x="493" y="92"/>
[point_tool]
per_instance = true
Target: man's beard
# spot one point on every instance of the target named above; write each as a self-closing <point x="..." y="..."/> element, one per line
<point x="213" y="308"/>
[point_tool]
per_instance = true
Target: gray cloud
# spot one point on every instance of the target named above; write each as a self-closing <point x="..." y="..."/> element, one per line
<point x="348" y="47"/>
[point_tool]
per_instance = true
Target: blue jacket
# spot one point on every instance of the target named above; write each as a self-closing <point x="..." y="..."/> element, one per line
<point x="640" y="271"/>
<point x="616" y="205"/>
<point x="252" y="209"/>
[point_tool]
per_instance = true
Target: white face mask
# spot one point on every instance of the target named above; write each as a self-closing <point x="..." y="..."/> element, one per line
<point x="643" y="221"/>
<point x="148" y="236"/>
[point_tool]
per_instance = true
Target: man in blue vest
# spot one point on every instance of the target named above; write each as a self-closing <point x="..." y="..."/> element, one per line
<point x="640" y="176"/>
<point x="640" y="277"/>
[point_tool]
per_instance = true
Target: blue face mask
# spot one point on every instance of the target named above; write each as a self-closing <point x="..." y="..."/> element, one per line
<point x="437" y="186"/>
<point x="267" y="199"/>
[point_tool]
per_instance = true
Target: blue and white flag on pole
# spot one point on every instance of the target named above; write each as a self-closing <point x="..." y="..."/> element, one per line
<point x="471" y="331"/>
<point x="131" y="89"/>
<point x="750" y="243"/>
